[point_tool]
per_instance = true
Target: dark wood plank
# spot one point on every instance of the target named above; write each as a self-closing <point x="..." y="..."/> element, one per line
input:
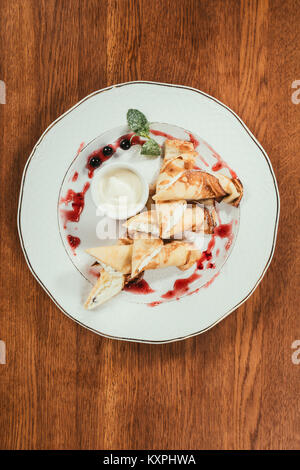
<point x="235" y="387"/>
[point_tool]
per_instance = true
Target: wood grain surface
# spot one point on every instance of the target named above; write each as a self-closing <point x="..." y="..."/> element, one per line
<point x="234" y="387"/>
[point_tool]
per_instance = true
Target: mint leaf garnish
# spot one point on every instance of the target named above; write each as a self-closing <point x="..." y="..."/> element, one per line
<point x="138" y="122"/>
<point x="151" y="147"/>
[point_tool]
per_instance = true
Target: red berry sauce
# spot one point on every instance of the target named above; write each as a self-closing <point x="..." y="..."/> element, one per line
<point x="181" y="286"/>
<point x="77" y="202"/>
<point x="139" y="287"/>
<point x="162" y="134"/>
<point x="75" y="176"/>
<point x="225" y="231"/>
<point x="154" y="304"/>
<point x="74" y="242"/>
<point x="195" y="143"/>
<point x="220" y="162"/>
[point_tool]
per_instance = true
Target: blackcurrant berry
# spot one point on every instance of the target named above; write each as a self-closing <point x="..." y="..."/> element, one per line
<point x="125" y="144"/>
<point x="107" y="151"/>
<point x="95" y="162"/>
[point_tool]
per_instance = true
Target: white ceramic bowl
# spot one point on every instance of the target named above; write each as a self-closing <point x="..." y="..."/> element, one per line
<point x="120" y="212"/>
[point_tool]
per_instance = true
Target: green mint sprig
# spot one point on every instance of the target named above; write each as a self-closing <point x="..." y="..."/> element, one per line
<point x="139" y="124"/>
<point x="150" y="147"/>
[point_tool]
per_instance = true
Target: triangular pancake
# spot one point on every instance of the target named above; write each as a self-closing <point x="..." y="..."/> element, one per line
<point x="117" y="257"/>
<point x="107" y="286"/>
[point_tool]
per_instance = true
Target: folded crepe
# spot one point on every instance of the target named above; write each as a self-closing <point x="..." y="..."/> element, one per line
<point x="178" y="178"/>
<point x="169" y="220"/>
<point x="172" y="219"/>
<point x="174" y="148"/>
<point x="176" y="218"/>
<point x="153" y="254"/>
<point x="116" y="257"/>
<point x="109" y="284"/>
<point x="115" y="271"/>
<point x="178" y="181"/>
<point x="233" y="188"/>
<point x="197" y="185"/>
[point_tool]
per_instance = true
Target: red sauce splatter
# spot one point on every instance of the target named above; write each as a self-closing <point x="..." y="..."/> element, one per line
<point x="217" y="166"/>
<point x="75" y="176"/>
<point x="74" y="242"/>
<point x="193" y="291"/>
<point x="154" y="304"/>
<point x="80" y="148"/>
<point x="220" y="162"/>
<point x="135" y="140"/>
<point x="206" y="256"/>
<point x="140" y="287"/>
<point x="181" y="286"/>
<point x="162" y="134"/>
<point x="193" y="140"/>
<point x="196" y="142"/>
<point x="225" y="231"/>
<point x="77" y="202"/>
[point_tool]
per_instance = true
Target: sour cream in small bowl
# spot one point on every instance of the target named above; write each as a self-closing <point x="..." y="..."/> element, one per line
<point x="119" y="190"/>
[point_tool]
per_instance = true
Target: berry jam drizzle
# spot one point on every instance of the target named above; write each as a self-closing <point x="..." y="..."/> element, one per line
<point x="80" y="148"/>
<point x="139" y="287"/>
<point x="154" y="304"/>
<point x="196" y="142"/>
<point x="134" y="140"/>
<point x="74" y="242"/>
<point x="193" y="139"/>
<point x="77" y="202"/>
<point x="225" y="231"/>
<point x="181" y="286"/>
<point x="75" y="176"/>
<point x="220" y="162"/>
<point x="162" y="134"/>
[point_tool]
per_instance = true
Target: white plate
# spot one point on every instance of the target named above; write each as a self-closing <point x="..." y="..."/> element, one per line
<point x="64" y="149"/>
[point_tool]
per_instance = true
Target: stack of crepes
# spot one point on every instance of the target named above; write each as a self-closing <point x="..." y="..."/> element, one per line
<point x="183" y="202"/>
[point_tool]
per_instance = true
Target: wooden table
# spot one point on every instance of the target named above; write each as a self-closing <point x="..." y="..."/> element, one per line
<point x="234" y="387"/>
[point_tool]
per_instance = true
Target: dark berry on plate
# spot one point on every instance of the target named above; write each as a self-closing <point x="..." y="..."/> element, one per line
<point x="95" y="162"/>
<point x="125" y="144"/>
<point x="107" y="151"/>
